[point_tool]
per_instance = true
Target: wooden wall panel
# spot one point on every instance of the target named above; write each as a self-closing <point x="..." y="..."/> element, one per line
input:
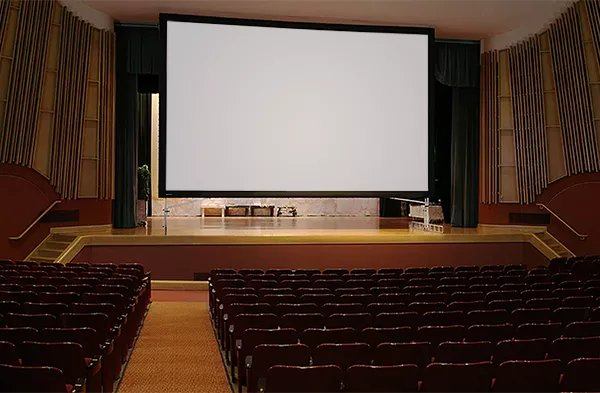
<point x="549" y="102"/>
<point x="26" y="82"/>
<point x="57" y="97"/>
<point x="573" y="94"/>
<point x="529" y="129"/>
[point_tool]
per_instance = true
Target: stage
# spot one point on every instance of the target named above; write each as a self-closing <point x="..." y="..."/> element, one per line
<point x="195" y="245"/>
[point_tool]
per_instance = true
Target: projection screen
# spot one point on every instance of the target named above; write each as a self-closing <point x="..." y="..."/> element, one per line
<point x="262" y="108"/>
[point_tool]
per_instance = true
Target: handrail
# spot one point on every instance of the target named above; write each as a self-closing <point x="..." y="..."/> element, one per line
<point x="36" y="221"/>
<point x="580" y="235"/>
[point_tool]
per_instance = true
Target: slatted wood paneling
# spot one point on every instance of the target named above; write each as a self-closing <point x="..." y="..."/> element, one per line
<point x="574" y="105"/>
<point x="548" y="111"/>
<point x="529" y="136"/>
<point x="107" y="115"/>
<point x="69" y="112"/>
<point x="489" y="128"/>
<point x="57" y="97"/>
<point x="25" y="83"/>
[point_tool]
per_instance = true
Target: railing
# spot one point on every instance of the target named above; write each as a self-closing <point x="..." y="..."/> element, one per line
<point x="22" y="235"/>
<point x="544" y="207"/>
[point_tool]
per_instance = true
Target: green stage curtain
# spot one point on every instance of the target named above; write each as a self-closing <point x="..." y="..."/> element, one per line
<point x="137" y="53"/>
<point x="457" y="66"/>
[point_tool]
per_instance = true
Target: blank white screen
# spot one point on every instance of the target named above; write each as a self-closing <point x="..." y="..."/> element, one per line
<point x="275" y="109"/>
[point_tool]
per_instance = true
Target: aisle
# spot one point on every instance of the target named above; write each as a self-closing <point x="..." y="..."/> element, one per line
<point x="176" y="352"/>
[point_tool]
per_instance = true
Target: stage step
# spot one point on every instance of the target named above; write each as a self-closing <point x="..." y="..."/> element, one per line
<point x="51" y="248"/>
<point x="557" y="247"/>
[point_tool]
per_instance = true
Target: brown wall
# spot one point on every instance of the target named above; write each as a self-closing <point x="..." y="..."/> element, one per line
<point x="181" y="262"/>
<point x="25" y="194"/>
<point x="574" y="199"/>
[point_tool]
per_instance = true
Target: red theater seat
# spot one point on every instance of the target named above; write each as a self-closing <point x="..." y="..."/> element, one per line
<point x="380" y="379"/>
<point x="315" y="379"/>
<point x="532" y="349"/>
<point x="471" y="377"/>
<point x="528" y="376"/>
<point x="267" y="355"/>
<point x="342" y="355"/>
<point x="464" y="352"/>
<point x="390" y="354"/>
<point x="582" y="375"/>
<point x="376" y="336"/>
<point x="315" y="337"/>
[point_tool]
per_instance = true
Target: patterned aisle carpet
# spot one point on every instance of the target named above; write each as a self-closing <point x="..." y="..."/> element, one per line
<point x="176" y="352"/>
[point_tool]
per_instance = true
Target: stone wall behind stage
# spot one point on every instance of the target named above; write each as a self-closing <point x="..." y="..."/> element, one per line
<point x="304" y="206"/>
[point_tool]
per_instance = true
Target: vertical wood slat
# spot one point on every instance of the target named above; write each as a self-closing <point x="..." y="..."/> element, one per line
<point x="573" y="94"/>
<point x="489" y="159"/>
<point x="26" y="83"/>
<point x="70" y="105"/>
<point x="593" y="13"/>
<point x="106" y="115"/>
<point x="529" y="126"/>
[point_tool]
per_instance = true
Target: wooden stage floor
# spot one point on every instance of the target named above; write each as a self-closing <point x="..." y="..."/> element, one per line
<point x="196" y="245"/>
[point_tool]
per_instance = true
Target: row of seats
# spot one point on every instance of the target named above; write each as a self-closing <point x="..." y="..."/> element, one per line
<point x="511" y="376"/>
<point x="63" y="329"/>
<point x="461" y="305"/>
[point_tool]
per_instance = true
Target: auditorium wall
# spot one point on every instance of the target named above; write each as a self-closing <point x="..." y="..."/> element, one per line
<point x="540" y="128"/>
<point x="56" y="120"/>
<point x="190" y="207"/>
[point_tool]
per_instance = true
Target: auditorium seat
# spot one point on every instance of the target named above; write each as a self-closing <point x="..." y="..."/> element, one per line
<point x="342" y="308"/>
<point x="528" y="349"/>
<point x="318" y="299"/>
<point x="377" y="308"/>
<point x="34" y="379"/>
<point x="36" y="321"/>
<point x="463" y="352"/>
<point x="18" y="335"/>
<point x="382" y="379"/>
<point x="569" y="348"/>
<point x="253" y="338"/>
<point x="487" y="317"/>
<point x="59" y="297"/>
<point x="394" y="298"/>
<point x="566" y="315"/>
<point x="275" y="299"/>
<point x="288" y="379"/>
<point x="349" y="291"/>
<point x="578" y="301"/>
<point x="265" y="356"/>
<point x="464" y="296"/>
<point x="530" y="315"/>
<point x="492" y="333"/>
<point x="295" y="285"/>
<point x="314" y="337"/>
<point x="312" y="291"/>
<point x="551" y="303"/>
<point x="444" y="377"/>
<point x="466" y="307"/>
<point x="509" y="305"/>
<point x="301" y="322"/>
<point x="367" y="284"/>
<point x="375" y="336"/>
<point x="9" y="307"/>
<point x="300" y="308"/>
<point x="397" y="319"/>
<point x="342" y="355"/>
<point x="549" y="331"/>
<point x="439" y="334"/>
<point x="442" y="318"/>
<point x="528" y="376"/>
<point x="582" y="329"/>
<point x="424" y="307"/>
<point x="582" y="376"/>
<point x="241" y="322"/>
<point x="8" y="353"/>
<point x="68" y="357"/>
<point x="432" y="297"/>
<point x="391" y="354"/>
<point x="363" y="299"/>
<point x="44" y="308"/>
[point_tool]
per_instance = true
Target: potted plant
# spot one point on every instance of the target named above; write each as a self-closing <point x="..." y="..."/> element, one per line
<point x="143" y="195"/>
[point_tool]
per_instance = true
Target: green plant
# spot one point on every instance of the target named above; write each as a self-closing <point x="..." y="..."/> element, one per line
<point x="143" y="183"/>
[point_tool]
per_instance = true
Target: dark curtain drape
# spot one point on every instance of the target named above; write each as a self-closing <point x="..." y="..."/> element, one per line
<point x="137" y="51"/>
<point x="126" y="143"/>
<point x="144" y="126"/>
<point x="457" y="67"/>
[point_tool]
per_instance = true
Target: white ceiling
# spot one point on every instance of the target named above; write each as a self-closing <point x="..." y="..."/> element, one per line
<point x="465" y="19"/>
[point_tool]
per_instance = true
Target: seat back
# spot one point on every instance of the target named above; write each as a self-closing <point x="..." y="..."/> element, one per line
<point x="265" y="356"/>
<point x="385" y="319"/>
<point x="438" y="334"/>
<point x="470" y="377"/>
<point x="365" y="378"/>
<point x="391" y="354"/>
<point x="582" y="376"/>
<point x="301" y="322"/>
<point x="376" y="336"/>
<point x="86" y="337"/>
<point x="45" y="308"/>
<point x="528" y="376"/>
<point x="464" y="352"/>
<point x="358" y="321"/>
<point x="549" y="331"/>
<point x="315" y="337"/>
<point x="293" y="379"/>
<point x="342" y="355"/>
<point x="36" y="321"/>
<point x="492" y="333"/>
<point x="97" y="321"/>
<point x="301" y="308"/>
<point x="8" y="353"/>
<point x="342" y="308"/>
<point x="582" y="329"/>
<point x="569" y="348"/>
<point x="31" y="379"/>
<point x="66" y="356"/>
<point x="531" y="349"/>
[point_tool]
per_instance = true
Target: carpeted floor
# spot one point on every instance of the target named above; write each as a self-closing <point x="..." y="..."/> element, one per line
<point x="176" y="352"/>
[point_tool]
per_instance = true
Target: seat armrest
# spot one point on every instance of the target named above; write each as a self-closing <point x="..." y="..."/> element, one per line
<point x="248" y="362"/>
<point x="115" y="332"/>
<point x="107" y="347"/>
<point x="79" y="386"/>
